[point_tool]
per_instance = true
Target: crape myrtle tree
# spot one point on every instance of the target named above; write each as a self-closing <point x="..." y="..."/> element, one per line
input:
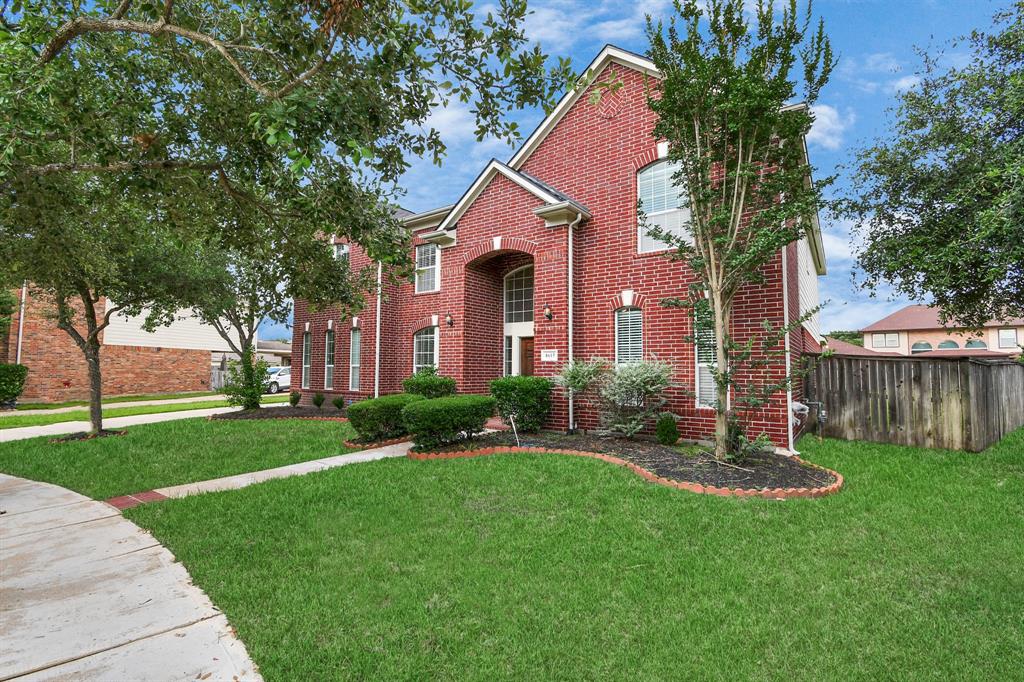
<point x="725" y="107"/>
<point x="939" y="204"/>
<point x="302" y="114"/>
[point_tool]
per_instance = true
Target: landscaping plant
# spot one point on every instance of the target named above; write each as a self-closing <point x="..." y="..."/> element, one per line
<point x="339" y="403"/>
<point x="524" y="399"/>
<point x="318" y="401"/>
<point x="632" y="394"/>
<point x="666" y="430"/>
<point x="380" y="418"/>
<point x="724" y="105"/>
<point x="12" y="383"/>
<point x="444" y="421"/>
<point x="429" y="384"/>
<point x="246" y="381"/>
<point x="294" y="398"/>
<point x="582" y="379"/>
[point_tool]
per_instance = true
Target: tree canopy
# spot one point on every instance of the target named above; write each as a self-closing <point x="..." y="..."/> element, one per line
<point x="939" y="204"/>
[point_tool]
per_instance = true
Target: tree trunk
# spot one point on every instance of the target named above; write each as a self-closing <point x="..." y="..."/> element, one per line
<point x="92" y="360"/>
<point x="721" y="312"/>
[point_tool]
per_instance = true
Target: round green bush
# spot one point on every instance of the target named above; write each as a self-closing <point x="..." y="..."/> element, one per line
<point x="666" y="429"/>
<point x="429" y="384"/>
<point x="526" y="400"/>
<point x="12" y="382"/>
<point x="380" y="418"/>
<point x="442" y="421"/>
<point x="294" y="398"/>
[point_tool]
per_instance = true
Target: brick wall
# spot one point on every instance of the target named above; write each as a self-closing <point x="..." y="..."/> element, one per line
<point x="57" y="369"/>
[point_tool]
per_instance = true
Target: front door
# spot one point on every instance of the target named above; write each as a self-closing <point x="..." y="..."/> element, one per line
<point x="526" y="356"/>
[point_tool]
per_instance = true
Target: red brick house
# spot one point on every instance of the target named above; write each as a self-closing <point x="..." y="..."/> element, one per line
<point x="541" y="261"/>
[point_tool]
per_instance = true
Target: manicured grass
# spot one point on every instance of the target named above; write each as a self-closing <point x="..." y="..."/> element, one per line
<point x="543" y="566"/>
<point x="183" y="451"/>
<point x="17" y="420"/>
<point x="115" y="399"/>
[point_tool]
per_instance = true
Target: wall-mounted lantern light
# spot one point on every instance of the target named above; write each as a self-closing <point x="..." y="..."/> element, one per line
<point x="449" y="320"/>
<point x="547" y="312"/>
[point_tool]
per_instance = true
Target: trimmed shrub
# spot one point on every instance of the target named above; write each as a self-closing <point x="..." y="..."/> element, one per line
<point x="246" y="380"/>
<point x="429" y="384"/>
<point x="339" y="402"/>
<point x="318" y="400"/>
<point x="441" y="421"/>
<point x="12" y="383"/>
<point x="666" y="429"/>
<point x="633" y="394"/>
<point x="527" y="400"/>
<point x="380" y="418"/>
<point x="294" y="398"/>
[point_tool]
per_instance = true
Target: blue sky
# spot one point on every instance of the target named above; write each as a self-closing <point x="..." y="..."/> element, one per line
<point x="874" y="39"/>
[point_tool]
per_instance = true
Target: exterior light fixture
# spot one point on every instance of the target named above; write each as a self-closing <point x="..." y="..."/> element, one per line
<point x="547" y="312"/>
<point x="449" y="320"/>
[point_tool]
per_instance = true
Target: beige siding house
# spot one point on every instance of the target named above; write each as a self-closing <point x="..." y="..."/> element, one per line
<point x="916" y="330"/>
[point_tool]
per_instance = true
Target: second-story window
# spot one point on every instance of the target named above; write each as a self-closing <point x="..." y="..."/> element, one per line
<point x="341" y="252"/>
<point x="428" y="268"/>
<point x="662" y="204"/>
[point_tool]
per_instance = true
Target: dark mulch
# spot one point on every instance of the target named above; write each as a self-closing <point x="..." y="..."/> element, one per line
<point x="695" y="465"/>
<point x="287" y="412"/>
<point x="84" y="435"/>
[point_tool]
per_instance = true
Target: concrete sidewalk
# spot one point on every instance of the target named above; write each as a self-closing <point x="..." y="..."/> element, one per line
<point x="112" y="405"/>
<point x="62" y="428"/>
<point x="87" y="595"/>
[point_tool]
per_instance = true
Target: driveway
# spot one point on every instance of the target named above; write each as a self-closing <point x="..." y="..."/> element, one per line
<point x="87" y="595"/>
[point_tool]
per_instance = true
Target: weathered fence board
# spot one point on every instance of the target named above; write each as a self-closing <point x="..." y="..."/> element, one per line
<point x="956" y="403"/>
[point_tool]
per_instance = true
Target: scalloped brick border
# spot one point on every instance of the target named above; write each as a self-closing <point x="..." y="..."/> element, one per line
<point x="763" y="493"/>
<point x="376" y="444"/>
<point x="213" y="417"/>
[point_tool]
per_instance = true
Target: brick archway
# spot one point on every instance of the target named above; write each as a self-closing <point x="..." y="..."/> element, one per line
<point x="496" y="246"/>
<point x="628" y="299"/>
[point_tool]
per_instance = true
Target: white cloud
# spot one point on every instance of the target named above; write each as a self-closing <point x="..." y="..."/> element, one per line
<point x="829" y="126"/>
<point x="902" y="84"/>
<point x="877" y="71"/>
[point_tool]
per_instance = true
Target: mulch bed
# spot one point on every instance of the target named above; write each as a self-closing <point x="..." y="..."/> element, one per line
<point x="83" y="435"/>
<point x="763" y="471"/>
<point x="288" y="412"/>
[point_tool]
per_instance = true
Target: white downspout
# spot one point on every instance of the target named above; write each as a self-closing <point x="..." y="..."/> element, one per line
<point x="21" y="321"/>
<point x="789" y="368"/>
<point x="376" y="343"/>
<point x="569" y="315"/>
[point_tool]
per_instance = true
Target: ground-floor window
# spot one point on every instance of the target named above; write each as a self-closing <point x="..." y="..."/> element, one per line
<point x="329" y="360"/>
<point x="629" y="335"/>
<point x="424" y="348"/>
<point x="307" y="355"/>
<point x="354" y="349"/>
<point x="508" y="356"/>
<point x="704" y="343"/>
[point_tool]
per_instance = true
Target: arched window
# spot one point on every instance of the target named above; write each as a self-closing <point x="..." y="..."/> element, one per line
<point x="920" y="347"/>
<point x="424" y="348"/>
<point x="629" y="335"/>
<point x="661" y="202"/>
<point x="948" y="344"/>
<point x="976" y="343"/>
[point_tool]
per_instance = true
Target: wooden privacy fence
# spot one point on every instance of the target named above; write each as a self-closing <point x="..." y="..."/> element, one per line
<point x="955" y="403"/>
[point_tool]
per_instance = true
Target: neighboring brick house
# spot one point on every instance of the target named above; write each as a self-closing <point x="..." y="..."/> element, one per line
<point x="916" y="330"/>
<point x="172" y="359"/>
<point x="541" y="260"/>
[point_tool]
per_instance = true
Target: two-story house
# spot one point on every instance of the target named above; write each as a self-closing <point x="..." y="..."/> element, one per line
<point x="917" y="330"/>
<point x="542" y="260"/>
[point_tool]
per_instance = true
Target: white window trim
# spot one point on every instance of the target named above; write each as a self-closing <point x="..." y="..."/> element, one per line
<point x="504" y="294"/>
<point x="436" y="268"/>
<point x="696" y="374"/>
<point x="342" y="251"/>
<point x="1013" y="344"/>
<point x="615" y="322"/>
<point x="329" y="354"/>
<point x="437" y="347"/>
<point x="307" y="359"/>
<point x="354" y="371"/>
<point x="640" y="231"/>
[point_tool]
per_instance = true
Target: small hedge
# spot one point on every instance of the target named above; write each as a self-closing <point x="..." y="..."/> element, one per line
<point x="441" y="421"/>
<point x="527" y="400"/>
<point x="429" y="384"/>
<point x="380" y="418"/>
<point x="12" y="382"/>
<point x="666" y="429"/>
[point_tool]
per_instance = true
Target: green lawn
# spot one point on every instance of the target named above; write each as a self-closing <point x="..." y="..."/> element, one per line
<point x="169" y="453"/>
<point x="538" y="567"/>
<point x="116" y="399"/>
<point x="16" y="420"/>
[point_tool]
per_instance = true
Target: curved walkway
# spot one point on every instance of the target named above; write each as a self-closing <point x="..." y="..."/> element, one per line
<point x="86" y="594"/>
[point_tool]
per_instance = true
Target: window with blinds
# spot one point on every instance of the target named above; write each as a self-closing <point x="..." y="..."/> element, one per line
<point x="424" y="349"/>
<point x="629" y="335"/>
<point x="355" y="346"/>
<point x="428" y="268"/>
<point x="329" y="360"/>
<point x="307" y="355"/>
<point x="704" y="336"/>
<point x="662" y="203"/>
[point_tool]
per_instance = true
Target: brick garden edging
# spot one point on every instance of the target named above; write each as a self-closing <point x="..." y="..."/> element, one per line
<point x="764" y="493"/>
<point x="213" y="417"/>
<point x="376" y="444"/>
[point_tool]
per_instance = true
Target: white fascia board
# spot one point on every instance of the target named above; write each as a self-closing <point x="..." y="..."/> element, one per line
<point x="610" y="54"/>
<point x="481" y="182"/>
<point x="427" y="219"/>
<point x="561" y="213"/>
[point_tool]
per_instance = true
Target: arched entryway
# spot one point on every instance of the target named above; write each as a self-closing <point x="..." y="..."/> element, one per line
<point x="518" y="321"/>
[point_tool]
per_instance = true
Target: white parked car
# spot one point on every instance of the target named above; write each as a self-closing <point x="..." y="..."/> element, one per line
<point x="279" y="379"/>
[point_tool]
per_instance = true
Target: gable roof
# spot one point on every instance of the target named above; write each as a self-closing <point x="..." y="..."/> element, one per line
<point x="924" y="317"/>
<point x="546" y="193"/>
<point x="840" y="347"/>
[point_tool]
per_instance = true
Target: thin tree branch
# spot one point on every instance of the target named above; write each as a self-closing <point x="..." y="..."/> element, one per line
<point x="120" y="167"/>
